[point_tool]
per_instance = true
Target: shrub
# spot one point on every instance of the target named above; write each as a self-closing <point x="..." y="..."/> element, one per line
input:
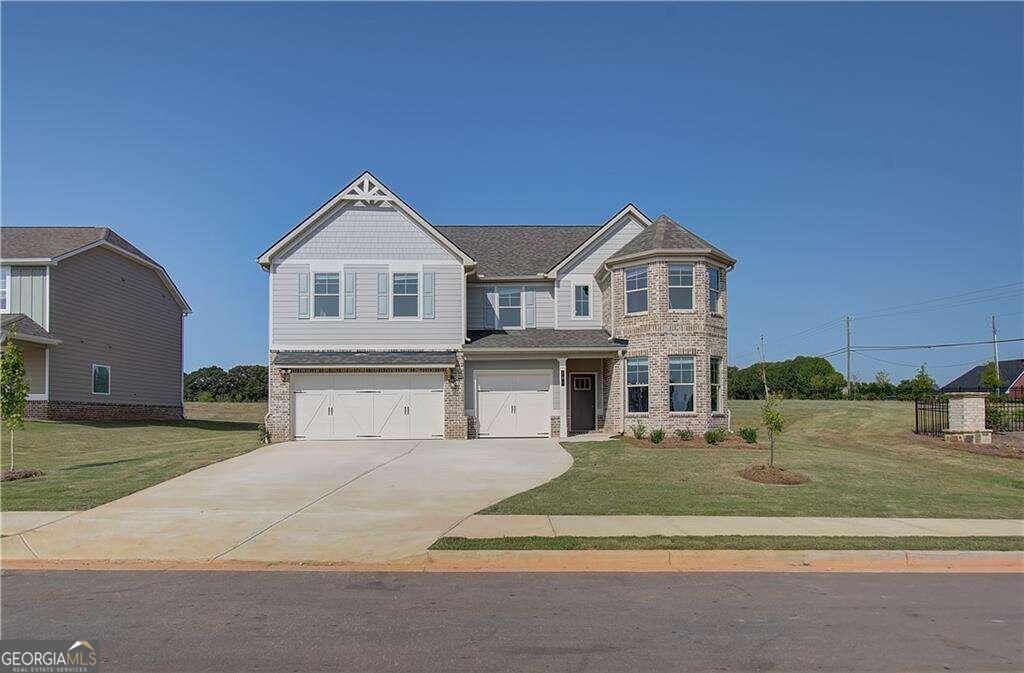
<point x="715" y="435"/>
<point x="638" y="429"/>
<point x="685" y="435"/>
<point x="264" y="436"/>
<point x="657" y="435"/>
<point x="749" y="435"/>
<point x="995" y="419"/>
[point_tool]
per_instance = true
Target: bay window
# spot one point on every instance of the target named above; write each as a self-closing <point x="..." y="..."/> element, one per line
<point x="714" y="290"/>
<point x="680" y="383"/>
<point x="637" y="385"/>
<point x="680" y="287"/>
<point x="636" y="289"/>
<point x="716" y="384"/>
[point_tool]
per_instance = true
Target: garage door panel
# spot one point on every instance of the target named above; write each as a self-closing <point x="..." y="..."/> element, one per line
<point x="533" y="414"/>
<point x="390" y="420"/>
<point x="353" y="414"/>
<point x="494" y="414"/>
<point x="514" y="404"/>
<point x="311" y="415"/>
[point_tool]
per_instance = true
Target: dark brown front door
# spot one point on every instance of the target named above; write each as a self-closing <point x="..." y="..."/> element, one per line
<point x="581" y="400"/>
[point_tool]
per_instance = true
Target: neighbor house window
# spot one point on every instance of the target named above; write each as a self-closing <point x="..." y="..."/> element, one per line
<point x="636" y="385"/>
<point x="100" y="380"/>
<point x="326" y="293"/>
<point x="680" y="383"/>
<point x="581" y="301"/>
<point x="714" y="290"/>
<point x="405" y="295"/>
<point x="680" y="286"/>
<point x="510" y="307"/>
<point x="5" y="284"/>
<point x="716" y="383"/>
<point x="636" y="289"/>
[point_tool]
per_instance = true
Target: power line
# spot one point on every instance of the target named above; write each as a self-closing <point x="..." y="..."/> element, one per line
<point x="924" y="346"/>
<point x="907" y="364"/>
<point x="962" y="295"/>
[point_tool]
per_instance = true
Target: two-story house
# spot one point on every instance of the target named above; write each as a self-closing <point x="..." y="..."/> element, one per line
<point x="100" y="324"/>
<point x="385" y="326"/>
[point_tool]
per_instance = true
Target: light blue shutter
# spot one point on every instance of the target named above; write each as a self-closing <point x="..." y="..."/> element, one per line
<point x="530" y="300"/>
<point x="489" y="302"/>
<point x="350" y="294"/>
<point x="428" y="294"/>
<point x="303" y="295"/>
<point x="382" y="295"/>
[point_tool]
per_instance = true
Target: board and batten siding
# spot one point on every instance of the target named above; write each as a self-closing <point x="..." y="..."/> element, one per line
<point x="544" y="293"/>
<point x="582" y="270"/>
<point x="547" y="364"/>
<point x="289" y="331"/>
<point x="107" y="309"/>
<point x="28" y="292"/>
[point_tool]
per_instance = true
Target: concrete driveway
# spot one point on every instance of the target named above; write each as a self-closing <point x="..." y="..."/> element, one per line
<point x="303" y="501"/>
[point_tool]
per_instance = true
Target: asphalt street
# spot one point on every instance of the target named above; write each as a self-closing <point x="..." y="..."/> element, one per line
<point x="337" y="621"/>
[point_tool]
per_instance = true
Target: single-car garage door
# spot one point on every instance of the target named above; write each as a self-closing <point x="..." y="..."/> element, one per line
<point x="368" y="406"/>
<point x="513" y="404"/>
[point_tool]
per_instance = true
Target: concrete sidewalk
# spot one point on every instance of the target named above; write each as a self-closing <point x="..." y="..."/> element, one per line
<point x="486" y="526"/>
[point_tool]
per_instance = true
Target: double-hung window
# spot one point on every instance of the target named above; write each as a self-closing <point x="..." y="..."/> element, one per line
<point x="680" y="383"/>
<point x="680" y="287"/>
<point x="405" y="295"/>
<point x="5" y="289"/>
<point x="100" y="380"/>
<point x="636" y="385"/>
<point x="716" y="384"/>
<point x="510" y="307"/>
<point x="581" y="301"/>
<point x="714" y="290"/>
<point x="636" y="289"/>
<point x="326" y="295"/>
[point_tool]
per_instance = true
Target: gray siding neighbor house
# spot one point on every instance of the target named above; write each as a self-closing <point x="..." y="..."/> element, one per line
<point x="383" y="325"/>
<point x="99" y="322"/>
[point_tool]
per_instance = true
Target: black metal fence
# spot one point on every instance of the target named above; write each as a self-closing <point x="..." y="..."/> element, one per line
<point x="931" y="416"/>
<point x="1004" y="415"/>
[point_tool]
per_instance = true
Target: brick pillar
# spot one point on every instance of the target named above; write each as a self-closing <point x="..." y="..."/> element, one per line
<point x="279" y="403"/>
<point x="967" y="419"/>
<point x="456" y="424"/>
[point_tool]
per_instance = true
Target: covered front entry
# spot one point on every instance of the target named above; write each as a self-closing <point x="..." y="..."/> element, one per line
<point x="368" y="406"/>
<point x="514" y="403"/>
<point x="582" y="402"/>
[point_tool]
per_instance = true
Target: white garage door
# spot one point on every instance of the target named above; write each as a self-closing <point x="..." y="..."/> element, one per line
<point x="514" y="404"/>
<point x="368" y="406"/>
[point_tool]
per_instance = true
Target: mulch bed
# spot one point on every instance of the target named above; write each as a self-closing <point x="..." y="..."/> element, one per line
<point x="764" y="474"/>
<point x="12" y="475"/>
<point x="673" y="442"/>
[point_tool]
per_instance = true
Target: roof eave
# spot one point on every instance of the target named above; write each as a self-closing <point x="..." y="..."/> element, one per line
<point x="628" y="209"/>
<point x="612" y="348"/>
<point x="713" y="253"/>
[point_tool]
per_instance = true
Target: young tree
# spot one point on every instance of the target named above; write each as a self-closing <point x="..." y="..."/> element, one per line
<point x="922" y="384"/>
<point x="771" y="416"/>
<point x="13" y="389"/>
<point x="990" y="378"/>
<point x="883" y="379"/>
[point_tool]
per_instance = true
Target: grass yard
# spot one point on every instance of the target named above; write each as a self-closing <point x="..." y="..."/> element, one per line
<point x="862" y="458"/>
<point x="88" y="464"/>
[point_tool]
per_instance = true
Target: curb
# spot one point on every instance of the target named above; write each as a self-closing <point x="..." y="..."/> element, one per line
<point x="598" y="561"/>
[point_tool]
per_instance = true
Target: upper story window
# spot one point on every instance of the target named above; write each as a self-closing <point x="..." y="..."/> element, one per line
<point x="5" y="285"/>
<point x="714" y="290"/>
<point x="716" y="384"/>
<point x="326" y="294"/>
<point x="636" y="289"/>
<point x="680" y="383"/>
<point x="581" y="301"/>
<point x="100" y="380"/>
<point x="510" y="307"/>
<point x="680" y="287"/>
<point x="405" y="293"/>
<point x="637" y="385"/>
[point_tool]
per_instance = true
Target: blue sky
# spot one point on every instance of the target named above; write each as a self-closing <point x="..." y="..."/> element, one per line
<point x="852" y="157"/>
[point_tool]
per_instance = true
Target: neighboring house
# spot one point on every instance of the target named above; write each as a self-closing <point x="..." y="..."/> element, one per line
<point x="99" y="322"/>
<point x="1011" y="372"/>
<point x="383" y="325"/>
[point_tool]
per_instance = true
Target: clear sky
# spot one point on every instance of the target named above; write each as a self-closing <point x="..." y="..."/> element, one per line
<point x="852" y="157"/>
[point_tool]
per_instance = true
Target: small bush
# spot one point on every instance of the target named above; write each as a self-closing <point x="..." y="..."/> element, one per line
<point x="715" y="435"/>
<point x="749" y="435"/>
<point x="263" y="434"/>
<point x="994" y="419"/>
<point x="657" y="435"/>
<point x="638" y="429"/>
<point x="685" y="435"/>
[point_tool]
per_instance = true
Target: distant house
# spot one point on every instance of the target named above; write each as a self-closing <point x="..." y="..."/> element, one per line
<point x="99" y="322"/>
<point x="1010" y="371"/>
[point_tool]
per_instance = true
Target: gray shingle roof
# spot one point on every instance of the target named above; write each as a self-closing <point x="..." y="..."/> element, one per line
<point x="47" y="242"/>
<point x="543" y="338"/>
<point x="517" y="250"/>
<point x="366" y="359"/>
<point x="666" y="234"/>
<point x="970" y="380"/>
<point x="23" y="326"/>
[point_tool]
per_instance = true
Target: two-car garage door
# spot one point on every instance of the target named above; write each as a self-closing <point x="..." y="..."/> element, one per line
<point x="360" y="406"/>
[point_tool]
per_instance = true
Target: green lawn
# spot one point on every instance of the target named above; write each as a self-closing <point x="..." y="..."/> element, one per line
<point x="862" y="458"/>
<point x="734" y="542"/>
<point x="88" y="464"/>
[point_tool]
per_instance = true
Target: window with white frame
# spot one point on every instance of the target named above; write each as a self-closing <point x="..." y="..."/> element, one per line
<point x="405" y="295"/>
<point x="637" y="385"/>
<point x="714" y="290"/>
<point x="680" y="383"/>
<point x="510" y="307"/>
<point x="716" y="384"/>
<point x="680" y="287"/>
<point x="326" y="295"/>
<point x="636" y="289"/>
<point x="581" y="301"/>
<point x="5" y="289"/>
<point x="100" y="380"/>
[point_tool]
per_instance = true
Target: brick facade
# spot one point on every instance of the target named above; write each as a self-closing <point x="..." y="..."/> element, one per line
<point x="57" y="410"/>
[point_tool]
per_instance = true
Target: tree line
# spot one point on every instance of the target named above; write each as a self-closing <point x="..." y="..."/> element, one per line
<point x="242" y="383"/>
<point x="814" y="378"/>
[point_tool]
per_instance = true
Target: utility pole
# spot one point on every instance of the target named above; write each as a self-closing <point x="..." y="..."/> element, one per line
<point x="764" y="377"/>
<point x="849" y="381"/>
<point x="995" y="345"/>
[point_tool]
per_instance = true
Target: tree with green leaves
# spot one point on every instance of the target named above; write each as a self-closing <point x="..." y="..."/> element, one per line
<point x="922" y="385"/>
<point x="883" y="379"/>
<point x="990" y="378"/>
<point x="774" y="421"/>
<point x="13" y="389"/>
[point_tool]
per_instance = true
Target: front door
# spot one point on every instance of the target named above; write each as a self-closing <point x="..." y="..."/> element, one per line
<point x="581" y="399"/>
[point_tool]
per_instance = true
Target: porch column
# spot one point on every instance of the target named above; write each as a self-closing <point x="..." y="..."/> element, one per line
<point x="563" y="425"/>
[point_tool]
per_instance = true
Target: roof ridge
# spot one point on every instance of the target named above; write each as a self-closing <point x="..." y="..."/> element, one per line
<point x="495" y="226"/>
